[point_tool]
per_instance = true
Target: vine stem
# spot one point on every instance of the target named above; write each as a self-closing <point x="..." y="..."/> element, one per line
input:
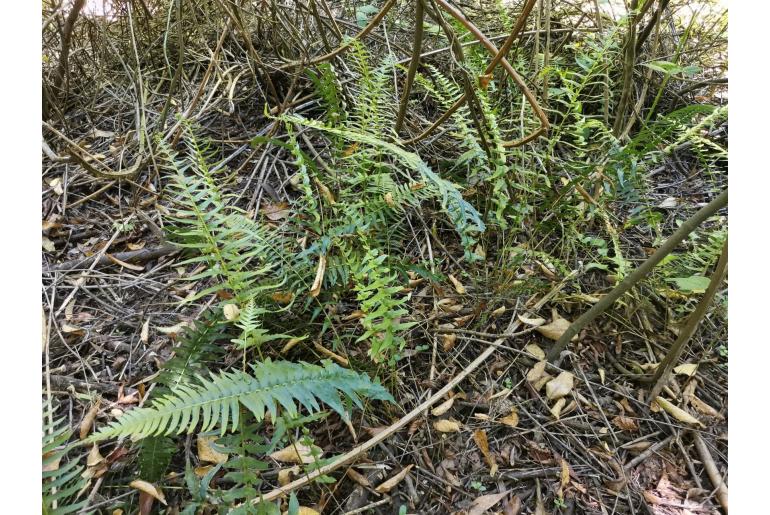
<point x="637" y="275"/>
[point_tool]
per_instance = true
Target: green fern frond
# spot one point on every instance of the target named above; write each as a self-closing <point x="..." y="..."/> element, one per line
<point x="215" y="402"/>
<point x="62" y="480"/>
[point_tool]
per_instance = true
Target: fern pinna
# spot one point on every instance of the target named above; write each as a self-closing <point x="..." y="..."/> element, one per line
<point x="214" y="403"/>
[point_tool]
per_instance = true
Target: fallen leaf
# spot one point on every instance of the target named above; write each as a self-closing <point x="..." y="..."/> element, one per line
<point x="537" y="371"/>
<point x="535" y="350"/>
<point x="94" y="457"/>
<point x="282" y="297"/>
<point x="72" y="329"/>
<point x="231" y="312"/>
<point x="531" y="321"/>
<point x="149" y="489"/>
<point x="207" y="454"/>
<point x="315" y="289"/>
<point x="459" y="288"/>
<point x="135" y="268"/>
<point x="677" y="412"/>
<point x="480" y="437"/>
<point x="443" y="407"/>
<point x="448" y="341"/>
<point x="56" y="184"/>
<point x="668" y="203"/>
<point x="512" y="506"/>
<point x="388" y="198"/>
<point x="602" y="374"/>
<point x="48" y="245"/>
<point x="485" y="502"/>
<point x="136" y="246"/>
<point x="144" y="335"/>
<point x="89" y="418"/>
<point x="200" y="472"/>
<point x="358" y="477"/>
<point x="555" y="329"/>
<point x="625" y="423"/>
<point x="704" y="408"/>
<point x="687" y="369"/>
<point x="560" y="386"/>
<point x="391" y="483"/>
<point x="275" y="212"/>
<point x="291" y="343"/>
<point x="511" y="420"/>
<point x="285" y="475"/>
<point x="297" y="453"/>
<point x="557" y="407"/>
<point x="325" y="192"/>
<point x="499" y="311"/>
<point x="447" y="426"/>
<point x="174" y="329"/>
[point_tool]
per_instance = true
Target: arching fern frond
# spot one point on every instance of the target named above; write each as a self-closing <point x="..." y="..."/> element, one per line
<point x="61" y="481"/>
<point x="215" y="402"/>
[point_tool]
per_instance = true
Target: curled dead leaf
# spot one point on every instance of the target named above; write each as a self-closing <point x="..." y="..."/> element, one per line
<point x="296" y="453"/>
<point x="512" y="419"/>
<point x="89" y="418"/>
<point x="531" y="321"/>
<point x="358" y="477"/>
<point x="231" y="312"/>
<point x="535" y="350"/>
<point x="459" y="288"/>
<point x="448" y="341"/>
<point x="555" y="329"/>
<point x="677" y="412"/>
<point x="480" y="437"/>
<point x="391" y="483"/>
<point x="557" y="407"/>
<point x="443" y="407"/>
<point x="625" y="423"/>
<point x="315" y="289"/>
<point x="149" y="489"/>
<point x="687" y="369"/>
<point x="447" y="426"/>
<point x="206" y="452"/>
<point x="560" y="386"/>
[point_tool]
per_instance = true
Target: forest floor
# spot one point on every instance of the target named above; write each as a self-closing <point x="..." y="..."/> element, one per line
<point x="515" y="435"/>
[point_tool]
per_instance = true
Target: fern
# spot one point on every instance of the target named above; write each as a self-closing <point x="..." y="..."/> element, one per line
<point x="382" y="310"/>
<point x="62" y="480"/>
<point x="215" y="402"/>
<point x="155" y="453"/>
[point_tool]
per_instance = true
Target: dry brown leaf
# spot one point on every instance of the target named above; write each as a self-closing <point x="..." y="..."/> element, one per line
<point x="275" y="212"/>
<point x="448" y="341"/>
<point x="482" y="504"/>
<point x="512" y="506"/>
<point x="135" y="268"/>
<point x="89" y="418"/>
<point x="358" y="477"/>
<point x="625" y="423"/>
<point x="511" y="420"/>
<point x="333" y="355"/>
<point x="459" y="288"/>
<point x="297" y="453"/>
<point x="531" y="321"/>
<point x="535" y="350"/>
<point x="174" y="329"/>
<point x="687" y="369"/>
<point x="94" y="457"/>
<point x="200" y="472"/>
<point x="602" y="374"/>
<point x="231" y="312"/>
<point x="285" y="475"/>
<point x="555" y="329"/>
<point x="72" y="329"/>
<point x="499" y="311"/>
<point x="315" y="289"/>
<point x="677" y="412"/>
<point x="290" y="344"/>
<point x="537" y="371"/>
<point x="560" y="386"/>
<point x="207" y="454"/>
<point x="443" y="407"/>
<point x="326" y="192"/>
<point x="704" y="408"/>
<point x="447" y="426"/>
<point x="480" y="437"/>
<point x="136" y="246"/>
<point x="57" y="186"/>
<point x="557" y="407"/>
<point x="149" y="489"/>
<point x="388" y="198"/>
<point x="282" y="297"/>
<point x="144" y="335"/>
<point x="391" y="483"/>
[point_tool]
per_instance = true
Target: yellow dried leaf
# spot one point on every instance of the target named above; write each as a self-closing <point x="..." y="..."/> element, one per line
<point x="358" y="477"/>
<point x="149" y="489"/>
<point x="555" y="329"/>
<point x="315" y="289"/>
<point x="136" y="246"/>
<point x="688" y="369"/>
<point x="285" y="475"/>
<point x="207" y="454"/>
<point x="560" y="386"/>
<point x="480" y="437"/>
<point x="231" y="312"/>
<point x="704" y="408"/>
<point x="459" y="288"/>
<point x="144" y="335"/>
<point x="388" y="198"/>
<point x="89" y="418"/>
<point x="535" y="350"/>
<point x="499" y="311"/>
<point x="512" y="419"/>
<point x="531" y="321"/>
<point x="677" y="412"/>
<point x="291" y="343"/>
<point x="448" y="341"/>
<point x="135" y="268"/>
<point x="174" y="329"/>
<point x="537" y="371"/>
<point x="297" y="453"/>
<point x="391" y="483"/>
<point x="601" y="375"/>
<point x="94" y="457"/>
<point x="557" y="407"/>
<point x="483" y="503"/>
<point x="443" y="407"/>
<point x="447" y="426"/>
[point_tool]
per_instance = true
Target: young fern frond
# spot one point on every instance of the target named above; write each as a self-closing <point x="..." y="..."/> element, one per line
<point x="382" y="310"/>
<point x="62" y="480"/>
<point x="211" y="404"/>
